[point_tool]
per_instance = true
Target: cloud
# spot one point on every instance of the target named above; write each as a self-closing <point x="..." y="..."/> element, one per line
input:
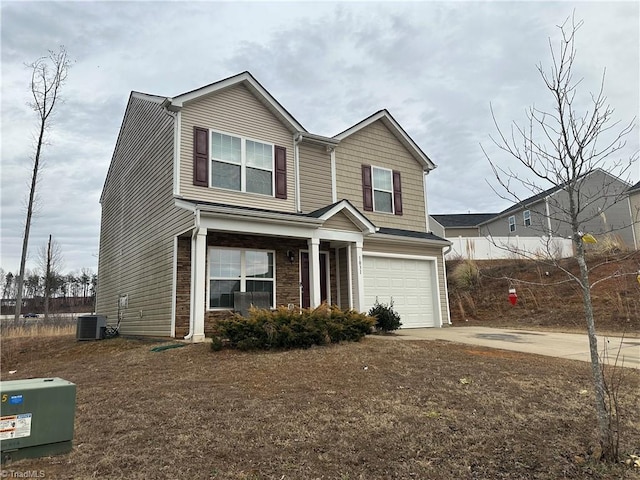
<point x="436" y="66"/>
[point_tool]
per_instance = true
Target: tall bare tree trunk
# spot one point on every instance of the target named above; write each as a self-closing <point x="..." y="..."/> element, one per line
<point x="560" y="147"/>
<point x="45" y="85"/>
<point x="27" y="225"/>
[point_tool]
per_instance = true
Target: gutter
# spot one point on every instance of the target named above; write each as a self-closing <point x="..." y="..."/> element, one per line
<point x="273" y="217"/>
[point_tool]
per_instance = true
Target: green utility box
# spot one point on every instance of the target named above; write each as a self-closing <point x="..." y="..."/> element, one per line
<point x="36" y="417"/>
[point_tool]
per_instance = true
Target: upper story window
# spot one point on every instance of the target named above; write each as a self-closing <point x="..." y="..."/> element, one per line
<point x="236" y="163"/>
<point x="241" y="164"/>
<point x="527" y="218"/>
<point x="512" y="223"/>
<point x="381" y="190"/>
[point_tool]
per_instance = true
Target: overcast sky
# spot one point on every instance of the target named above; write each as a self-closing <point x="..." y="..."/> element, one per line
<point x="436" y="66"/>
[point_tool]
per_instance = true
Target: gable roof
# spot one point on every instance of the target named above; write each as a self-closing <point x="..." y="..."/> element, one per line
<point x="125" y="118"/>
<point x="395" y="128"/>
<point x="462" y="220"/>
<point x="247" y="80"/>
<point x="352" y="213"/>
<point x="634" y="188"/>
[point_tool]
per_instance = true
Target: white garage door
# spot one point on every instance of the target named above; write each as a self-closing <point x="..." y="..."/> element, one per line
<point x="409" y="282"/>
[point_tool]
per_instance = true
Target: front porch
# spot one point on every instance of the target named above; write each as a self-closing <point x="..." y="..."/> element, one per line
<point x="299" y="272"/>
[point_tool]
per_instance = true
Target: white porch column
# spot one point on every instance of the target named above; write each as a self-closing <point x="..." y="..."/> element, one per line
<point x="358" y="278"/>
<point x="198" y="284"/>
<point x="314" y="272"/>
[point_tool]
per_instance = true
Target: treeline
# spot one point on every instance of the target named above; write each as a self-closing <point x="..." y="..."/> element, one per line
<point x="71" y="285"/>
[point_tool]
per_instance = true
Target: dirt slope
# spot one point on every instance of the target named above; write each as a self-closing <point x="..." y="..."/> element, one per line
<point x="547" y="298"/>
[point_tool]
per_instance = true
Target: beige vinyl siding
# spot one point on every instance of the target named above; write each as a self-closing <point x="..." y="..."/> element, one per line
<point x="315" y="177"/>
<point x="234" y="111"/>
<point x="139" y="222"/>
<point x="404" y="249"/>
<point x="340" y="222"/>
<point x="375" y="145"/>
<point x="461" y="232"/>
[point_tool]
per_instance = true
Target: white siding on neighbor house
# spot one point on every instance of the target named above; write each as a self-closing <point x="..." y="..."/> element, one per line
<point x="405" y="249"/>
<point x="139" y="222"/>
<point x="234" y="111"/>
<point x="375" y="145"/>
<point x="315" y="177"/>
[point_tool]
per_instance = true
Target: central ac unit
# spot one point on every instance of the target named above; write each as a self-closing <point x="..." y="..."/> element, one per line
<point x="91" y="327"/>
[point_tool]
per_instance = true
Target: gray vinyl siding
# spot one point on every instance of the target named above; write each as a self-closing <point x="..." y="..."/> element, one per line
<point x="499" y="227"/>
<point x="609" y="217"/>
<point x="436" y="228"/>
<point x="234" y="111"/>
<point x="139" y="223"/>
<point x="634" y="209"/>
<point x="404" y="249"/>
<point x="315" y="177"/>
<point x="375" y="145"/>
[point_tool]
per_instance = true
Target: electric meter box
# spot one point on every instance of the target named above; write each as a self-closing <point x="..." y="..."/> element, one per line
<point x="36" y="417"/>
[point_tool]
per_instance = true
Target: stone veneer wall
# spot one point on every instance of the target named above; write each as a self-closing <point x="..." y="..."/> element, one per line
<point x="287" y="273"/>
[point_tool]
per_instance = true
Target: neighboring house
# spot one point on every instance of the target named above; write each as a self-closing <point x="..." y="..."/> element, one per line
<point x="605" y="212"/>
<point x="634" y="210"/>
<point x="220" y="190"/>
<point x="458" y="224"/>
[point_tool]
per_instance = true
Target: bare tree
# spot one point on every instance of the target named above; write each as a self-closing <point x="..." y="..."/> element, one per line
<point x="50" y="260"/>
<point x="48" y="74"/>
<point x="562" y="148"/>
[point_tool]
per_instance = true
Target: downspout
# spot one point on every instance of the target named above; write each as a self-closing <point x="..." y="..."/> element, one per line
<point x="546" y="206"/>
<point x="334" y="191"/>
<point x="426" y="206"/>
<point x="297" y="138"/>
<point x="634" y="220"/>
<point x="194" y="234"/>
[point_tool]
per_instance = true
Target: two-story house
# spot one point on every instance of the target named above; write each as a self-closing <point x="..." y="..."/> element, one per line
<point x="603" y="210"/>
<point x="220" y="190"/>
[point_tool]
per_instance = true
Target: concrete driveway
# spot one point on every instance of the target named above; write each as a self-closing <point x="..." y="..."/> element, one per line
<point x="562" y="345"/>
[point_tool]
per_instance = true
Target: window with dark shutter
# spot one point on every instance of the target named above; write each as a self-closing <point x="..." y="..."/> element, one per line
<point x="397" y="193"/>
<point x="367" y="190"/>
<point x="200" y="157"/>
<point x="281" y="172"/>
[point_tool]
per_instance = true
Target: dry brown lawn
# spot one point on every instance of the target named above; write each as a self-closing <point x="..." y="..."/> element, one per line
<point x="378" y="409"/>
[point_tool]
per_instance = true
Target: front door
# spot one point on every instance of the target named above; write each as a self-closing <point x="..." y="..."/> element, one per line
<point x="304" y="278"/>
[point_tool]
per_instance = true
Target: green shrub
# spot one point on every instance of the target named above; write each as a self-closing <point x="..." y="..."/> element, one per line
<point x="216" y="344"/>
<point x="387" y="319"/>
<point x="297" y="328"/>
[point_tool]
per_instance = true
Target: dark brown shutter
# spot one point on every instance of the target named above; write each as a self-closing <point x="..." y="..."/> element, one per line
<point x="367" y="190"/>
<point x="397" y="193"/>
<point x="281" y="172"/>
<point x="200" y="157"/>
